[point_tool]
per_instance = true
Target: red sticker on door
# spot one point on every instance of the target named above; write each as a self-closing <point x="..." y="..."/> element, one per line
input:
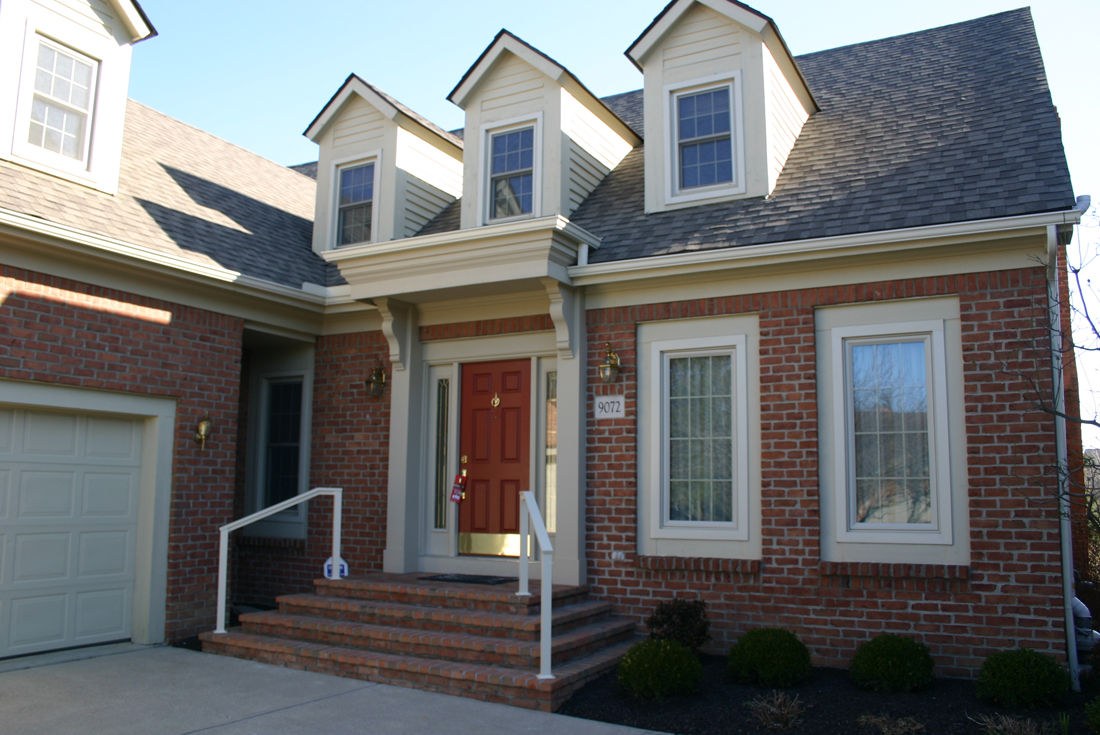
<point x="458" y="490"/>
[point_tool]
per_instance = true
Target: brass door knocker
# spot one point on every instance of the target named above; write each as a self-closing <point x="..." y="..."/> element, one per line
<point x="496" y="400"/>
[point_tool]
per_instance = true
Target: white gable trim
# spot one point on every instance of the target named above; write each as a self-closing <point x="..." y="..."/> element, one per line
<point x="133" y="19"/>
<point x="357" y="86"/>
<point x="653" y="35"/>
<point x="505" y="42"/>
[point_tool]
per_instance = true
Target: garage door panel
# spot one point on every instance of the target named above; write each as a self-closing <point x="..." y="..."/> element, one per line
<point x="108" y="495"/>
<point x="50" y="434"/>
<point x="46" y="494"/>
<point x="103" y="552"/>
<point x="111" y="439"/>
<point x="41" y="556"/>
<point x="102" y="613"/>
<point x="38" y="621"/>
<point x="69" y="493"/>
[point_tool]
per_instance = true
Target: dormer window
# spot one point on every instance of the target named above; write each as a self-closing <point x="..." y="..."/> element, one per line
<point x="63" y="93"/>
<point x="704" y="140"/>
<point x="356" y="204"/>
<point x="512" y="164"/>
<point x="703" y="132"/>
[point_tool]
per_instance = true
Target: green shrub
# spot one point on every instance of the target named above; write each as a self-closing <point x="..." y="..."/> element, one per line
<point x="654" y="669"/>
<point x="892" y="663"/>
<point x="770" y="657"/>
<point x="1022" y="678"/>
<point x="683" y="621"/>
<point x="1092" y="715"/>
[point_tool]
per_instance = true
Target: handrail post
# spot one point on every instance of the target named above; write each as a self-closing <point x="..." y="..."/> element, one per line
<point x="337" y="504"/>
<point x="223" y="572"/>
<point x="523" y="549"/>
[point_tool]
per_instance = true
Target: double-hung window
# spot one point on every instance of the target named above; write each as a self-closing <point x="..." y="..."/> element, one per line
<point x="512" y="173"/>
<point x="355" y="209"/>
<point x="61" y="107"/>
<point x="704" y="138"/>
<point x="694" y="408"/>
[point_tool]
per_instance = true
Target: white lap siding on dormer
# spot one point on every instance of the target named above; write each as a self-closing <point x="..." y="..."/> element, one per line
<point x="701" y="46"/>
<point x="576" y="139"/>
<point x="421" y="163"/>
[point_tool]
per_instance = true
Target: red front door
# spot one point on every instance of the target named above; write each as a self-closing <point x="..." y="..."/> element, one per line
<point x="495" y="451"/>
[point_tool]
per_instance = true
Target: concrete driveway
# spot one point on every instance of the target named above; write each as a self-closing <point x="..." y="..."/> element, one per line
<point x="127" y="688"/>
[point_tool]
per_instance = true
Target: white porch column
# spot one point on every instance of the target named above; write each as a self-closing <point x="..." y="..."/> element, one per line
<point x="569" y="540"/>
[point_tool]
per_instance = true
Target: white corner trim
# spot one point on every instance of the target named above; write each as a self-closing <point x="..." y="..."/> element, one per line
<point x="796" y="250"/>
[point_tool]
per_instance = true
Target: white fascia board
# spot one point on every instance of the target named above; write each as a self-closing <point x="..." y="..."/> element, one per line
<point x="132" y="19"/>
<point x="107" y="248"/>
<point x="825" y="247"/>
<point x="352" y="86"/>
<point x="506" y="42"/>
<point x="579" y="235"/>
<point x="645" y="43"/>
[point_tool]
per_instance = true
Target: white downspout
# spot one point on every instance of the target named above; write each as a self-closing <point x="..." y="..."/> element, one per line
<point x="1053" y="300"/>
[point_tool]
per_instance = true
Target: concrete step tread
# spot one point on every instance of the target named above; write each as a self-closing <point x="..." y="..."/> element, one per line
<point x="579" y="669"/>
<point x="414" y="587"/>
<point x="447" y="615"/>
<point x="562" y="642"/>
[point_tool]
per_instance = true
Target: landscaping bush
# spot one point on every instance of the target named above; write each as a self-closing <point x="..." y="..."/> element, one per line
<point x="1022" y="678"/>
<point x="656" y="669"/>
<point x="683" y="621"/>
<point x="771" y="657"/>
<point x="892" y="663"/>
<point x="1092" y="715"/>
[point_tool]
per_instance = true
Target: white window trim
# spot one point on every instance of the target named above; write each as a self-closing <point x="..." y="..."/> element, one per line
<point x="661" y="351"/>
<point x="292" y="522"/>
<point x="339" y="165"/>
<point x="93" y="48"/>
<point x="486" y="133"/>
<point x="672" y="92"/>
<point x="939" y="531"/>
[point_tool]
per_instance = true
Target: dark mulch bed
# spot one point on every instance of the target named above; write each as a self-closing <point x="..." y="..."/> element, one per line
<point x="834" y="706"/>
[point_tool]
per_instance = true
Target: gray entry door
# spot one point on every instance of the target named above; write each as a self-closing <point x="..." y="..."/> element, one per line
<point x="68" y="521"/>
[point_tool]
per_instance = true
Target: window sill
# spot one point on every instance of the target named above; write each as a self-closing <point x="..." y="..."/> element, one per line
<point x="697" y="564"/>
<point x="902" y="571"/>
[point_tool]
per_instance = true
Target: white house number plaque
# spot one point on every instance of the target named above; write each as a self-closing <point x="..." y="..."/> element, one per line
<point x="610" y="407"/>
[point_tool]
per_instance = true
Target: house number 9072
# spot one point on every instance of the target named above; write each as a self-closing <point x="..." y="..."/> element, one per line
<point x="610" y="407"/>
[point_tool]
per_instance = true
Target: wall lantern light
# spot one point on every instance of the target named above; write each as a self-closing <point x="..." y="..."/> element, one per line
<point x="609" y="369"/>
<point x="204" y="430"/>
<point x="376" y="382"/>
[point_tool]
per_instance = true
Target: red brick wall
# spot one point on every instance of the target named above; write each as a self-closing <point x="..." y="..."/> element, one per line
<point x="1009" y="596"/>
<point x="350" y="449"/>
<point x="58" y="331"/>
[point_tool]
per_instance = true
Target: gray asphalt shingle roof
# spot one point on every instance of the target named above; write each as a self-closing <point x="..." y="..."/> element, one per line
<point x="189" y="194"/>
<point x="946" y="125"/>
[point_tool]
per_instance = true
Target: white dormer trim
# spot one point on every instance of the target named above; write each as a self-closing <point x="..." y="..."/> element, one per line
<point x="673" y="193"/>
<point x="665" y="22"/>
<point x="505" y="41"/>
<point x="370" y="157"/>
<point x="134" y="20"/>
<point x="485" y="200"/>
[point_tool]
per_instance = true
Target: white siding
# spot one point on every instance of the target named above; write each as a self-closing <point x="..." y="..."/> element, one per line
<point x="585" y="172"/>
<point x="785" y="118"/>
<point x="422" y="160"/>
<point x="359" y="127"/>
<point x="422" y="203"/>
<point x="594" y="150"/>
<point x="95" y="15"/>
<point x="511" y="83"/>
<point x="703" y="38"/>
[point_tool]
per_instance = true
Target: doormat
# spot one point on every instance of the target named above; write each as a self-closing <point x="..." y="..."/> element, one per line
<point x="469" y="579"/>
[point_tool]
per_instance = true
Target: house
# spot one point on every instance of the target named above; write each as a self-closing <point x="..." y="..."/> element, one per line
<point x="761" y="332"/>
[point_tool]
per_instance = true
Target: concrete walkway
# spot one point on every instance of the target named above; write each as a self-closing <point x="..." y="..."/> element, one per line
<point x="127" y="688"/>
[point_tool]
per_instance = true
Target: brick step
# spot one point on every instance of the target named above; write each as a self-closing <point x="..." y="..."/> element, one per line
<point x="436" y="645"/>
<point x="444" y="619"/>
<point x="517" y="687"/>
<point x="410" y="589"/>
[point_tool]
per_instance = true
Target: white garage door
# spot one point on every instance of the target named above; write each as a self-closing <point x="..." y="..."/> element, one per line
<point x="68" y="519"/>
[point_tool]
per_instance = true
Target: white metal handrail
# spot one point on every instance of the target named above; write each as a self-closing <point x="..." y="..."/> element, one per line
<point x="527" y="498"/>
<point x="337" y="494"/>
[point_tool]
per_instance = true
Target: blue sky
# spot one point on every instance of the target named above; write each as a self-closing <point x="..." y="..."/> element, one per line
<point x="256" y="73"/>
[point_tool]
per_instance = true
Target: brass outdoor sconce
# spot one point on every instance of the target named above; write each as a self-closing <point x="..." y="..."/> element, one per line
<point x="204" y="430"/>
<point x="609" y="369"/>
<point x="376" y="382"/>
